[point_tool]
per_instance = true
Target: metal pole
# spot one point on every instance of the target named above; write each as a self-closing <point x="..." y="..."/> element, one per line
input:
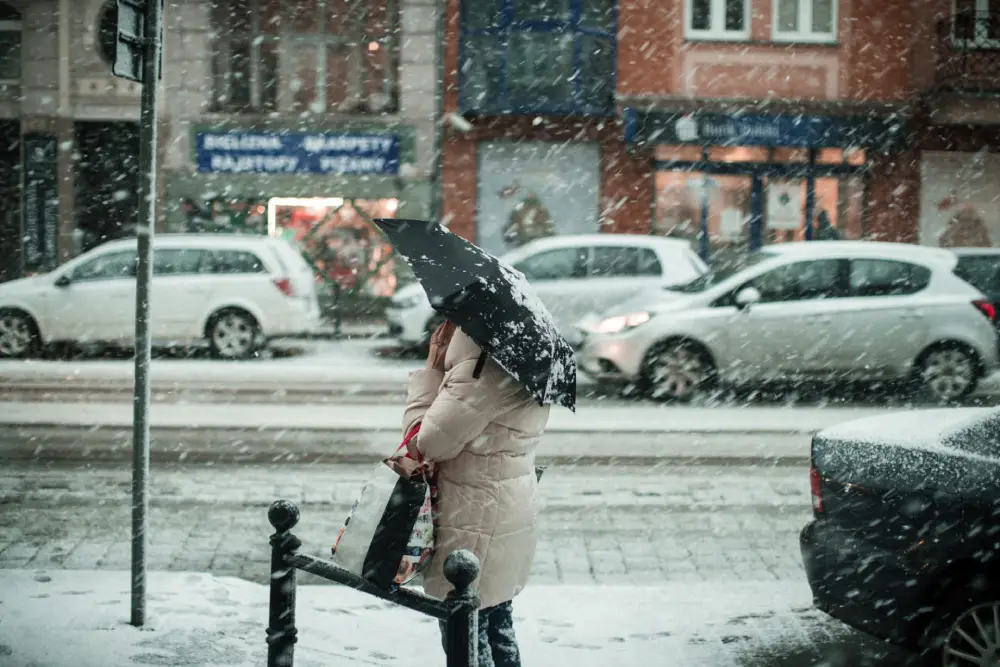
<point x="144" y="233"/>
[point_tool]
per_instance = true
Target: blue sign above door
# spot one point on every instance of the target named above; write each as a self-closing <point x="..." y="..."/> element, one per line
<point x="341" y="154"/>
<point x="874" y="132"/>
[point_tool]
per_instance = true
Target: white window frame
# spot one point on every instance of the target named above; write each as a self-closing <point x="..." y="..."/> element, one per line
<point x="805" y="32"/>
<point x="13" y="26"/>
<point x="981" y="40"/>
<point x="718" y="18"/>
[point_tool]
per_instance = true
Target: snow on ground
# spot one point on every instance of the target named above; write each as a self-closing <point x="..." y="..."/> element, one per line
<point x="321" y="361"/>
<point x="79" y="619"/>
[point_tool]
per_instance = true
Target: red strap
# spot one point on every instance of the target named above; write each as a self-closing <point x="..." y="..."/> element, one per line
<point x="406" y="441"/>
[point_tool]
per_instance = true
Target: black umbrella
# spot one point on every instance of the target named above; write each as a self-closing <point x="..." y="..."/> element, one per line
<point x="492" y="303"/>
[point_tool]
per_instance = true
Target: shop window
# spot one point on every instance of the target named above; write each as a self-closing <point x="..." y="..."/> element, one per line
<point x="10" y="44"/>
<point x="790" y="155"/>
<point x="805" y="20"/>
<point x="737" y="154"/>
<point x="547" y="56"/>
<point x="830" y="156"/>
<point x="717" y="19"/>
<point x="677" y="153"/>
<point x="855" y="156"/>
<point x="305" y="56"/>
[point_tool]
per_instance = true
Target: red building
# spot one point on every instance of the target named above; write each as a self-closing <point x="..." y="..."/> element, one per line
<point x="742" y="118"/>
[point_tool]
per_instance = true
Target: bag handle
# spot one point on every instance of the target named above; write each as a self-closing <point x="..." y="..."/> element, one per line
<point x="480" y="363"/>
<point x="408" y="439"/>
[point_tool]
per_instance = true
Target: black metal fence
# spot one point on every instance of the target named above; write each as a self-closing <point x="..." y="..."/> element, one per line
<point x="459" y="611"/>
<point x="968" y="52"/>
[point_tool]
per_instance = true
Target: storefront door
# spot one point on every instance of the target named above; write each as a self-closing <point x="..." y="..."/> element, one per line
<point x="729" y="208"/>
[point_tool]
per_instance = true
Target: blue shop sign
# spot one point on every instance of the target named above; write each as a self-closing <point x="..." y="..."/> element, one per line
<point x="876" y="132"/>
<point x="340" y="154"/>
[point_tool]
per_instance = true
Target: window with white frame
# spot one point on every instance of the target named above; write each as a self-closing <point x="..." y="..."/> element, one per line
<point x="976" y="24"/>
<point x="305" y="56"/>
<point x="10" y="44"/>
<point x="805" y="20"/>
<point x="717" y="19"/>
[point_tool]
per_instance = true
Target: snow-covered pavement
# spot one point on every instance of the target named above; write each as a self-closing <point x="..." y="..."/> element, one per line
<point x="636" y="566"/>
<point x="79" y="619"/>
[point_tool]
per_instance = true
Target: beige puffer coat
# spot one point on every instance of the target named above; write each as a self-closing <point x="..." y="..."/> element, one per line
<point x="482" y="433"/>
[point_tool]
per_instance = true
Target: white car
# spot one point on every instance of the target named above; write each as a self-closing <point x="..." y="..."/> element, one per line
<point x="850" y="310"/>
<point x="235" y="291"/>
<point x="573" y="275"/>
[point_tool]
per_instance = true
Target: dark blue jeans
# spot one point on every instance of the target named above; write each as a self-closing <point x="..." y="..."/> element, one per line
<point x="497" y="643"/>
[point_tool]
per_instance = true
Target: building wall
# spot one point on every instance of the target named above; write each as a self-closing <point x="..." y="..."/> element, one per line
<point x="65" y="81"/>
<point x="655" y="58"/>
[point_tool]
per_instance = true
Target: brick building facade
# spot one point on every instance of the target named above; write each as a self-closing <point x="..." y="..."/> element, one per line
<point x="275" y="117"/>
<point x="745" y="118"/>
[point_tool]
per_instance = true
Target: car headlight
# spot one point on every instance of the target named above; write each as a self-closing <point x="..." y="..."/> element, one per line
<point x="406" y="302"/>
<point x="621" y="323"/>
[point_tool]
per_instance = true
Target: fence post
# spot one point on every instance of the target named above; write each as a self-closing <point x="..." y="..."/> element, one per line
<point x="338" y="305"/>
<point x="281" y="632"/>
<point x="461" y="568"/>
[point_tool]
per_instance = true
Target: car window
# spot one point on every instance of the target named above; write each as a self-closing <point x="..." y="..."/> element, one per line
<point x="982" y="272"/>
<point x="107" y="267"/>
<point x="236" y="261"/>
<point x="623" y="261"/>
<point x="880" y="277"/>
<point x="799" y="281"/>
<point x="558" y="264"/>
<point x="177" y="261"/>
<point x="722" y="271"/>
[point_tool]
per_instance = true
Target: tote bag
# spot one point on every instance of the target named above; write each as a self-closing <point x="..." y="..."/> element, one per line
<point x="388" y="537"/>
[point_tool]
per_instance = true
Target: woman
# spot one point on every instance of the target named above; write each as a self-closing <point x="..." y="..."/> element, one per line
<point x="481" y="427"/>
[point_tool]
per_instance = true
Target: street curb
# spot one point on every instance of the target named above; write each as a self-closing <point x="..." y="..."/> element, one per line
<point x="291" y="446"/>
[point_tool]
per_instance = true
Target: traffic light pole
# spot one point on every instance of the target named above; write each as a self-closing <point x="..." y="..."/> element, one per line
<point x="151" y="48"/>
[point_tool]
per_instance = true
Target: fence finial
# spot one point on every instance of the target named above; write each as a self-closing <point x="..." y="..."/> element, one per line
<point x="283" y="515"/>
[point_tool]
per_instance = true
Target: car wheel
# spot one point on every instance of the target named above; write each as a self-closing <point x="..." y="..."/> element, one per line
<point x="233" y="334"/>
<point x="947" y="374"/>
<point x="675" y="371"/>
<point x="19" y="337"/>
<point x="969" y="633"/>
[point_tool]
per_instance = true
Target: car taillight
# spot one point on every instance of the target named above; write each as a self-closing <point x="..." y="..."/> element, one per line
<point x="815" y="484"/>
<point x="285" y="285"/>
<point x="986" y="308"/>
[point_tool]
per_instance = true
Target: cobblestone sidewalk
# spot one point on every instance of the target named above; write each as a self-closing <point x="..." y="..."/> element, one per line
<point x="599" y="524"/>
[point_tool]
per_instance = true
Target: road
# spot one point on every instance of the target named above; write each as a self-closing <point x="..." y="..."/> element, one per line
<point x="600" y="525"/>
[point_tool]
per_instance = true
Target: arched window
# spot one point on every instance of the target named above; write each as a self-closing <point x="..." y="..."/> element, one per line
<point x="10" y="44"/>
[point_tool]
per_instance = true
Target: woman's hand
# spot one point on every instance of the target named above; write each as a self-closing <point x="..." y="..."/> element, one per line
<point x="439" y="346"/>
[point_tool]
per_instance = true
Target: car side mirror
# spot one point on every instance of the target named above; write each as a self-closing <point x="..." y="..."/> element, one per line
<point x="746" y="297"/>
<point x="63" y="281"/>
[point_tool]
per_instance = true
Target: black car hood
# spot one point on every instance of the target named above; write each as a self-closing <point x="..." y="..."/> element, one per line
<point x="914" y="450"/>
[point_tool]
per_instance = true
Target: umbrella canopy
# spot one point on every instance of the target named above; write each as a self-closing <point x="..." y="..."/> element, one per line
<point x="492" y="303"/>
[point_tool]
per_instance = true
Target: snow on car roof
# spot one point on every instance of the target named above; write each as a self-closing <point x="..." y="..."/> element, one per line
<point x="641" y="240"/>
<point x="197" y="240"/>
<point x="902" y="251"/>
<point x="924" y="430"/>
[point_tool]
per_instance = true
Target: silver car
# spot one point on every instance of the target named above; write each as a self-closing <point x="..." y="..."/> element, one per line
<point x="845" y="310"/>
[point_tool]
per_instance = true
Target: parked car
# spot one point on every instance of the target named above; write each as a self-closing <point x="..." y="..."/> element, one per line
<point x="236" y="292"/>
<point x="904" y="541"/>
<point x="572" y="274"/>
<point x="844" y="310"/>
<point x="980" y="267"/>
